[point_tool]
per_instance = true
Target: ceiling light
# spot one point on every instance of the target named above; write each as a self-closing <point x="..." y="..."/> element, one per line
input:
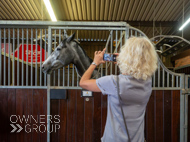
<point x="50" y="10"/>
<point x="187" y="22"/>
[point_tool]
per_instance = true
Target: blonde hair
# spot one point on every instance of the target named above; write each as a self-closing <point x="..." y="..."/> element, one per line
<point x="138" y="58"/>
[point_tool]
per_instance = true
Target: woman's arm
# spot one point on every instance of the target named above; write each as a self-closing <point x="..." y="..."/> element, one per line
<point x="86" y="82"/>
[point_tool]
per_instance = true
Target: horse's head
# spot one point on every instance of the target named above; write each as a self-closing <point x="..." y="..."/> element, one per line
<point x="62" y="55"/>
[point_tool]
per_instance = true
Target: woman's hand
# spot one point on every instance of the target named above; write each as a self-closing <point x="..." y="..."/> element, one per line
<point x="98" y="57"/>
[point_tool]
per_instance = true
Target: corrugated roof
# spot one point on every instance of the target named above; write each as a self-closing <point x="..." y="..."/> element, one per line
<point x="138" y="11"/>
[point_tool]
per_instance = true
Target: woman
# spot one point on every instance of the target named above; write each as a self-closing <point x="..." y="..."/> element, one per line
<point x="137" y="62"/>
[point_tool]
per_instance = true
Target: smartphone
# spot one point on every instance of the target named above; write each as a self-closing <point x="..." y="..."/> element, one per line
<point x="109" y="57"/>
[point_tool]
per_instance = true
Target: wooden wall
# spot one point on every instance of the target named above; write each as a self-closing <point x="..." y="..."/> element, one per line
<point x="163" y="117"/>
<point x="21" y="102"/>
<point x="84" y="121"/>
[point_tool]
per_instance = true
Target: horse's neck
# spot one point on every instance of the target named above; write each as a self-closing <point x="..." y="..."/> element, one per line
<point x="82" y="62"/>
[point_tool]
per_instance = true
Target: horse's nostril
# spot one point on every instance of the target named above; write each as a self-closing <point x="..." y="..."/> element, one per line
<point x="42" y="67"/>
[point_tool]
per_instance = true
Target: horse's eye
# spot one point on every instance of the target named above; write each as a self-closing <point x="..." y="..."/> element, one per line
<point x="58" y="49"/>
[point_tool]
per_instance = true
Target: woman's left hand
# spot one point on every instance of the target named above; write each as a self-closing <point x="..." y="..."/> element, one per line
<point x="98" y="56"/>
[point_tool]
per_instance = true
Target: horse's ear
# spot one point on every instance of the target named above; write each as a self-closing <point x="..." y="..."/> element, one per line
<point x="71" y="37"/>
<point x="63" y="36"/>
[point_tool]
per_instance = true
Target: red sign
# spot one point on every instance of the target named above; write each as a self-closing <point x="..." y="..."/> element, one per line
<point x="6" y="46"/>
<point x="32" y="51"/>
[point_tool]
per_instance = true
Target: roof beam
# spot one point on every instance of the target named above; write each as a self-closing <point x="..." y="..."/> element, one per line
<point x="150" y="23"/>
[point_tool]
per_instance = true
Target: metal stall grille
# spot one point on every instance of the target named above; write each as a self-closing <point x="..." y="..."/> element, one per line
<point x="22" y="52"/>
<point x="68" y="77"/>
<point x="25" y="45"/>
<point x="22" y="68"/>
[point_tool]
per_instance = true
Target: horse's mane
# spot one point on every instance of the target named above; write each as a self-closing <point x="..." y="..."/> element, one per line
<point x="84" y="51"/>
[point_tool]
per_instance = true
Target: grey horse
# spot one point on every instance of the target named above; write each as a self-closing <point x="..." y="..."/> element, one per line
<point x="68" y="51"/>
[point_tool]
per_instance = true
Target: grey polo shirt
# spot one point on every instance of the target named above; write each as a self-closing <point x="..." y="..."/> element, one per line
<point x="135" y="95"/>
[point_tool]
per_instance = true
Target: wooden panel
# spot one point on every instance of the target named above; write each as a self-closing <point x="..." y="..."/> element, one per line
<point x="22" y="103"/>
<point x="158" y="116"/>
<point x="167" y="115"/>
<point x="27" y="111"/>
<point x="80" y="117"/>
<point x="54" y="111"/>
<point x="20" y="95"/>
<point x="88" y="118"/>
<point x="188" y="133"/>
<point x="150" y="133"/>
<point x="71" y="116"/>
<point x="3" y="116"/>
<point x="175" y="116"/>
<point x="163" y="116"/>
<point x="104" y="112"/>
<point x="11" y="111"/>
<point x="82" y="120"/>
<point x="182" y="62"/>
<point x="97" y="117"/>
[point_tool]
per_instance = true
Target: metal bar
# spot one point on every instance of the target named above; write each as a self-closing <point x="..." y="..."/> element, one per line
<point x="177" y="83"/>
<point x="44" y="59"/>
<point x="111" y="44"/>
<point x="154" y="80"/>
<point x="0" y="60"/>
<point x="62" y="23"/>
<point x="121" y="36"/>
<point x="182" y="121"/>
<point x="4" y="57"/>
<point x="172" y="80"/>
<point x="135" y="33"/>
<point x="59" y="87"/>
<point x="27" y="58"/>
<point x="68" y="75"/>
<point x="54" y="49"/>
<point x="116" y="50"/>
<point x="126" y="34"/>
<point x="22" y="57"/>
<point x="9" y="64"/>
<point x="158" y="74"/>
<point x="109" y="37"/>
<point x="31" y="57"/>
<point x="65" y="34"/>
<point x="63" y="76"/>
<point x="77" y="79"/>
<point x="101" y="70"/>
<point x="90" y="28"/>
<point x="36" y="52"/>
<point x="48" y="86"/>
<point x="40" y="57"/>
<point x="24" y="87"/>
<point x="163" y="77"/>
<point x="168" y="79"/>
<point x="13" y="60"/>
<point x="73" y="75"/>
<point x="186" y="116"/>
<point x="18" y="57"/>
<point x="166" y="88"/>
<point x="59" y="69"/>
<point x="182" y="109"/>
